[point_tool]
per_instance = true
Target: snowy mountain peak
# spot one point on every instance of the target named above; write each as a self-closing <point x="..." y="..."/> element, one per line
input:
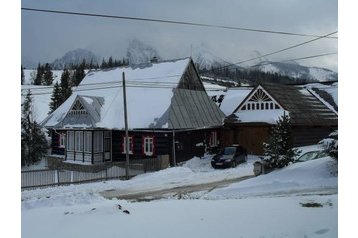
<point x="75" y="57"/>
<point x="138" y="52"/>
<point x="297" y="71"/>
<point x="205" y="59"/>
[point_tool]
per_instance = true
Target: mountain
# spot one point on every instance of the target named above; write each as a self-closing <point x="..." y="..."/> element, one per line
<point x="297" y="71"/>
<point x="75" y="57"/>
<point x="138" y="52"/>
<point x="205" y="59"/>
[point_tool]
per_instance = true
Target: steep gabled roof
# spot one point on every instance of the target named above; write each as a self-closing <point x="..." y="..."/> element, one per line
<point x="152" y="90"/>
<point x="303" y="107"/>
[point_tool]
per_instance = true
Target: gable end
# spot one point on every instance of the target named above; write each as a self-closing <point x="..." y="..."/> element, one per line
<point x="258" y="99"/>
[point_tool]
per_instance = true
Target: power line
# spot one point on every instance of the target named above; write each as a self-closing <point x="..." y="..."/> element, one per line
<point x="275" y="52"/>
<point x="172" y="22"/>
<point x="143" y="84"/>
<point x="301" y="58"/>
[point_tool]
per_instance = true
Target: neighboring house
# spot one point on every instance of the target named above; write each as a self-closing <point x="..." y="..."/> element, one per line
<point x="167" y="104"/>
<point x="252" y="112"/>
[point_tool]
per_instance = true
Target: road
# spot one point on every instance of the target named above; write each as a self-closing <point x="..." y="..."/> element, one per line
<point x="157" y="194"/>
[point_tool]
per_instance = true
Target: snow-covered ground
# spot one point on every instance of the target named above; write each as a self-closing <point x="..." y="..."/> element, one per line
<point x="271" y="205"/>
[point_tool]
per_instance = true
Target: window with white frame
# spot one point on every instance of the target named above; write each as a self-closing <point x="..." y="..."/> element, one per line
<point x="79" y="141"/>
<point x="130" y="145"/>
<point x="62" y="140"/>
<point x="148" y="145"/>
<point x="98" y="142"/>
<point x="71" y="140"/>
<point x="88" y="142"/>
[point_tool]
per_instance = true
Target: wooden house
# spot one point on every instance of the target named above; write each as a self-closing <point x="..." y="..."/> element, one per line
<point x="167" y="105"/>
<point x="251" y="112"/>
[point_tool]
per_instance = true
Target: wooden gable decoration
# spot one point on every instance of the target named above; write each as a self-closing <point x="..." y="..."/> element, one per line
<point x="78" y="108"/>
<point x="259" y="99"/>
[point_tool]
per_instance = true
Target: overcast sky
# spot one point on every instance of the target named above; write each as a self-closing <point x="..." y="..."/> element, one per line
<point x="45" y="36"/>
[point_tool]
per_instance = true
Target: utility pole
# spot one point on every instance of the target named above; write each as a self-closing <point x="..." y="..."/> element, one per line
<point x="173" y="150"/>
<point x="125" y="125"/>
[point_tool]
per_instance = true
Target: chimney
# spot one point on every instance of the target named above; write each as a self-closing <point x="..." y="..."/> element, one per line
<point x="154" y="60"/>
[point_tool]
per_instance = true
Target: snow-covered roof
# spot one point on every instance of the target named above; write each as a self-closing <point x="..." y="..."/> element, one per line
<point x="150" y="90"/>
<point x="270" y="116"/>
<point x="301" y="105"/>
<point x="233" y="98"/>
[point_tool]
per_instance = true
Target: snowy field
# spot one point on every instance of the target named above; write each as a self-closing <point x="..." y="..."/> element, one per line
<point x="271" y="205"/>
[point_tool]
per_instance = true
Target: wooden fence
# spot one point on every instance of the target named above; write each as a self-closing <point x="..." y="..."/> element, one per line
<point x="48" y="177"/>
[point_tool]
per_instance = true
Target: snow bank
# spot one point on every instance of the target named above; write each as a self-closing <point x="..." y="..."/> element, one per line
<point x="314" y="175"/>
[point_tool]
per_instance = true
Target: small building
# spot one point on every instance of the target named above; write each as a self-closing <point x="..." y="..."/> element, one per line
<point x="167" y="105"/>
<point x="251" y="112"/>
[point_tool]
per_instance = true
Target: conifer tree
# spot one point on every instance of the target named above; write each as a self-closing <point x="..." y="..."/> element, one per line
<point x="65" y="84"/>
<point x="47" y="78"/>
<point x="56" y="98"/>
<point x="39" y="75"/>
<point x="278" y="152"/>
<point x="33" y="141"/>
<point x="78" y="75"/>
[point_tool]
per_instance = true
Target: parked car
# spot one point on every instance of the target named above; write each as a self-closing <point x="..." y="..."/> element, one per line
<point x="262" y="167"/>
<point x="229" y="156"/>
<point x="311" y="155"/>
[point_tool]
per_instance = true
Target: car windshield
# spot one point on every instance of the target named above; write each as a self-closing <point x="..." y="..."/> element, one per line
<point x="308" y="156"/>
<point x="229" y="150"/>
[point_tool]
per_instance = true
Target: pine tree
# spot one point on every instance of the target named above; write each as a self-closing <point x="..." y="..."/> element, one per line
<point x="110" y="62"/>
<point x="65" y="84"/>
<point x="104" y="64"/>
<point x="278" y="152"/>
<point x="78" y="75"/>
<point x="47" y="78"/>
<point x="33" y="140"/>
<point x="39" y="75"/>
<point x="56" y="98"/>
<point x="22" y="75"/>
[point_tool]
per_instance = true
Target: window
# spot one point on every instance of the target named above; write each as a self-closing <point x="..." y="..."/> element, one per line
<point x="88" y="142"/>
<point x="70" y="140"/>
<point x="107" y="141"/>
<point x="78" y="109"/>
<point x="130" y="140"/>
<point x="62" y="140"/>
<point x="79" y="141"/>
<point x="98" y="142"/>
<point x="148" y="145"/>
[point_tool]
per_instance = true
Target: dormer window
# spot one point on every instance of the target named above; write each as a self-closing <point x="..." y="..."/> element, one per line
<point x="78" y="109"/>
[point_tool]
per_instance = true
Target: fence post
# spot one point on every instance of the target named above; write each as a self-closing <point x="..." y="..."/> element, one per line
<point x="57" y="179"/>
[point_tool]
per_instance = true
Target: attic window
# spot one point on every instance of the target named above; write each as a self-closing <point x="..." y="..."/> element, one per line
<point x="78" y="109"/>
<point x="260" y="100"/>
<point x="260" y="96"/>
